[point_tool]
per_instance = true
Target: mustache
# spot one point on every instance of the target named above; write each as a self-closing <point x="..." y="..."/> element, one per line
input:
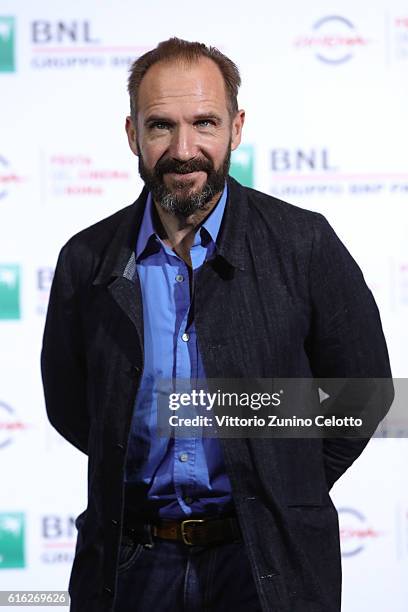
<point x="165" y="166"/>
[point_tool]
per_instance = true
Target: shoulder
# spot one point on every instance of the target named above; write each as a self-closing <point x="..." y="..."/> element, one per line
<point x="299" y="232"/>
<point x="81" y="255"/>
<point x="100" y="233"/>
<point x="284" y="222"/>
<point x="270" y="207"/>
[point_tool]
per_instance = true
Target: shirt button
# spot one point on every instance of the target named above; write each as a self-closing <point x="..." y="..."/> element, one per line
<point x="185" y="337"/>
<point x="188" y="499"/>
<point x="183" y="457"/>
<point x="179" y="278"/>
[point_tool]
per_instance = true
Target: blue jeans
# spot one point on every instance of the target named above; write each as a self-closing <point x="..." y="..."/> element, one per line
<point x="174" y="577"/>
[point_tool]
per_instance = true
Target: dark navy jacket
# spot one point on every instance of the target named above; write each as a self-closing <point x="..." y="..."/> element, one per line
<point x="282" y="298"/>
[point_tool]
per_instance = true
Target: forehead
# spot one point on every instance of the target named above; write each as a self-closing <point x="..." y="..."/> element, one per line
<point x="175" y="83"/>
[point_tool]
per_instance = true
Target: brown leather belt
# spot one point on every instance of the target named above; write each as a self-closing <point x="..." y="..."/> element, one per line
<point x="193" y="532"/>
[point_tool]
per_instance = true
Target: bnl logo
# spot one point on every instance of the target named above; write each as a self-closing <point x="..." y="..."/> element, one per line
<point x="242" y="165"/>
<point x="7" y="44"/>
<point x="9" y="291"/>
<point x="12" y="540"/>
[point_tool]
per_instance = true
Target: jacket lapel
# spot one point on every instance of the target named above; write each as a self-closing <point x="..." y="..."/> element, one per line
<point x="231" y="239"/>
<point x="117" y="272"/>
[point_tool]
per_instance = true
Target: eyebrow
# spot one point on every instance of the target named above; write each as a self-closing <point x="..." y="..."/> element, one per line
<point x="199" y="117"/>
<point x="213" y="116"/>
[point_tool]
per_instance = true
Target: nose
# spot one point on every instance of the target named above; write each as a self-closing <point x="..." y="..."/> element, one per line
<point x="183" y="145"/>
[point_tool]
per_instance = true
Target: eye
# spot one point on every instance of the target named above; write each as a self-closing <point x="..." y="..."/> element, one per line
<point x="159" y="125"/>
<point x="205" y="123"/>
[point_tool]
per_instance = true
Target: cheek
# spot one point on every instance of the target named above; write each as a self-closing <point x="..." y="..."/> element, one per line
<point x="212" y="149"/>
<point x="218" y="154"/>
<point x="152" y="153"/>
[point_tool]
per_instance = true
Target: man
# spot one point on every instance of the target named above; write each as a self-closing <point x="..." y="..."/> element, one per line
<point x="201" y="277"/>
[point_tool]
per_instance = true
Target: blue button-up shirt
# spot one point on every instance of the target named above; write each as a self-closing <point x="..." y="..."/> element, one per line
<point x="172" y="477"/>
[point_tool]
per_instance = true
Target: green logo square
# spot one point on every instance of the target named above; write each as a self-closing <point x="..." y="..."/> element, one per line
<point x="242" y="165"/>
<point x="9" y="291"/>
<point x="7" y="43"/>
<point x="12" y="531"/>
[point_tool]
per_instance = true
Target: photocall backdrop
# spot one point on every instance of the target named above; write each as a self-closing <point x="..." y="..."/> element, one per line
<point x="325" y="89"/>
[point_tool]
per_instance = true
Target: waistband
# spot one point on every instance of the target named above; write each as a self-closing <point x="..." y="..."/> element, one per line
<point x="192" y="532"/>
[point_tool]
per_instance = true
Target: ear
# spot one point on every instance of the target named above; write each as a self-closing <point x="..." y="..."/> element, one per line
<point x="236" y="129"/>
<point x="131" y="134"/>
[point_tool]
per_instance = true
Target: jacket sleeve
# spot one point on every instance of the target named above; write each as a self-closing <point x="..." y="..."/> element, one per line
<point x="63" y="364"/>
<point x="346" y="342"/>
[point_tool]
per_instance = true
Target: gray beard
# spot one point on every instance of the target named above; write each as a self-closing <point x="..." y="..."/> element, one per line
<point x="186" y="206"/>
<point x="185" y="203"/>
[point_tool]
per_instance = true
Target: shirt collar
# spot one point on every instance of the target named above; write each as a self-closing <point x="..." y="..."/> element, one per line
<point x="146" y="230"/>
<point x="119" y="258"/>
<point x="211" y="224"/>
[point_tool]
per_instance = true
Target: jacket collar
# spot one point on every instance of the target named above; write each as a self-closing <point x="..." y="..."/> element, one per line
<point x="231" y="237"/>
<point x="120" y="260"/>
<point x="120" y="250"/>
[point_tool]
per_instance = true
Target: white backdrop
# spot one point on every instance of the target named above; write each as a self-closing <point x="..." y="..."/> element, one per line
<point x="325" y="89"/>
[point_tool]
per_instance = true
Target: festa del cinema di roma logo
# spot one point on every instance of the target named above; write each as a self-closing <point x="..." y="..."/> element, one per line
<point x="333" y="40"/>
<point x="10" y="425"/>
<point x="355" y="532"/>
<point x="8" y="178"/>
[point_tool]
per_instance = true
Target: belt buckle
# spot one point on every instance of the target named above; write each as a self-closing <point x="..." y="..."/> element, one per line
<point x="183" y="525"/>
